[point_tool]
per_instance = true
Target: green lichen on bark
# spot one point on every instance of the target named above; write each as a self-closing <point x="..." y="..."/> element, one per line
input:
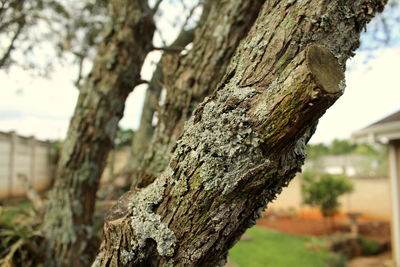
<point x="223" y="142"/>
<point x="147" y="225"/>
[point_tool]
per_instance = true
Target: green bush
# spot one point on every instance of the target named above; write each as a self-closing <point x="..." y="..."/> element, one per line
<point x="369" y="246"/>
<point x="336" y="260"/>
<point x="324" y="190"/>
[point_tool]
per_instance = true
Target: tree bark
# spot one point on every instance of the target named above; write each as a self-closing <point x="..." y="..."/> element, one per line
<point x="100" y="106"/>
<point x="189" y="78"/>
<point x="244" y="142"/>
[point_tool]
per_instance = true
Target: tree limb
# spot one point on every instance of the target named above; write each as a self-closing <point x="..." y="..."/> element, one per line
<point x="244" y="142"/>
<point x="6" y="55"/>
<point x="92" y="131"/>
<point x="156" y="6"/>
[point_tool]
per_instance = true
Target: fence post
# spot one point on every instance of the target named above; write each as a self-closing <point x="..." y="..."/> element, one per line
<point x="13" y="144"/>
<point x="32" y="171"/>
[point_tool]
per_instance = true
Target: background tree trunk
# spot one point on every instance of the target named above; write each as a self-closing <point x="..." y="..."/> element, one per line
<point x="143" y="136"/>
<point x="116" y="70"/>
<point x="244" y="142"/>
<point x="145" y="133"/>
<point x="189" y="78"/>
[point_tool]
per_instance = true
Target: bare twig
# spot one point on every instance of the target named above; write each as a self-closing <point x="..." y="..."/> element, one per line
<point x="3" y="7"/>
<point x="386" y="30"/>
<point x="7" y="54"/>
<point x="156" y="6"/>
<point x="7" y="24"/>
<point x="189" y="16"/>
<point x="141" y="81"/>
<point x="81" y="60"/>
<point x="169" y="49"/>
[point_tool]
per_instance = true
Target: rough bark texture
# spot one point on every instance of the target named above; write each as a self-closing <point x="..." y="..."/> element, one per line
<point x="116" y="70"/>
<point x="244" y="142"/>
<point x="143" y="136"/>
<point x="191" y="77"/>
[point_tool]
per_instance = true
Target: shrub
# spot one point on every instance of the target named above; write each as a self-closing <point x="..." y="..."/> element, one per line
<point x="323" y="191"/>
<point x="369" y="246"/>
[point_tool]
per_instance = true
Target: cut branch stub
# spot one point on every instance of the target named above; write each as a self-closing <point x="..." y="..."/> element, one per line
<point x="325" y="68"/>
<point x="310" y="84"/>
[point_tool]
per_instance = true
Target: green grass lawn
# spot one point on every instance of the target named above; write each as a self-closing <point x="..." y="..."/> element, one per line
<point x="270" y="248"/>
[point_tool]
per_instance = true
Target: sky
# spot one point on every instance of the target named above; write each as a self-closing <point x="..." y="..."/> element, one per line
<point x="372" y="92"/>
<point x="40" y="107"/>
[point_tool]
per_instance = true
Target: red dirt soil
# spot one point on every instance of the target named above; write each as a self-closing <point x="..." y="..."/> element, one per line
<point x="311" y="223"/>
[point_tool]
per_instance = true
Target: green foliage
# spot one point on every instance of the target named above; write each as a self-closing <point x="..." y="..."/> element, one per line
<point x="270" y="248"/>
<point x="318" y="150"/>
<point x="369" y="246"/>
<point x="336" y="260"/>
<point x="20" y="239"/>
<point x="324" y="191"/>
<point x="55" y="151"/>
<point x="124" y="138"/>
<point x="8" y="214"/>
<point x="370" y="160"/>
<point x="340" y="147"/>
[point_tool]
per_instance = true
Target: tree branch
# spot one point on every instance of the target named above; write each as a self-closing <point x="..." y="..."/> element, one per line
<point x="92" y="132"/>
<point x="169" y="49"/>
<point x="81" y="59"/>
<point x="7" y="54"/>
<point x="189" y="16"/>
<point x="156" y="6"/>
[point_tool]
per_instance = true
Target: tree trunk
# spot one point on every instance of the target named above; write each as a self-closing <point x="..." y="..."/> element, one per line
<point x="244" y="142"/>
<point x="116" y="70"/>
<point x="189" y="78"/>
<point x="143" y="136"/>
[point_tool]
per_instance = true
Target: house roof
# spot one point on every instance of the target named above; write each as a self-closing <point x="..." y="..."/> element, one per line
<point x="382" y="131"/>
<point x="391" y="118"/>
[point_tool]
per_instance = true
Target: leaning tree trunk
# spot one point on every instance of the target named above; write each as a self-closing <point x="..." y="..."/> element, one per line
<point x="244" y="142"/>
<point x="189" y="78"/>
<point x="116" y="70"/>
